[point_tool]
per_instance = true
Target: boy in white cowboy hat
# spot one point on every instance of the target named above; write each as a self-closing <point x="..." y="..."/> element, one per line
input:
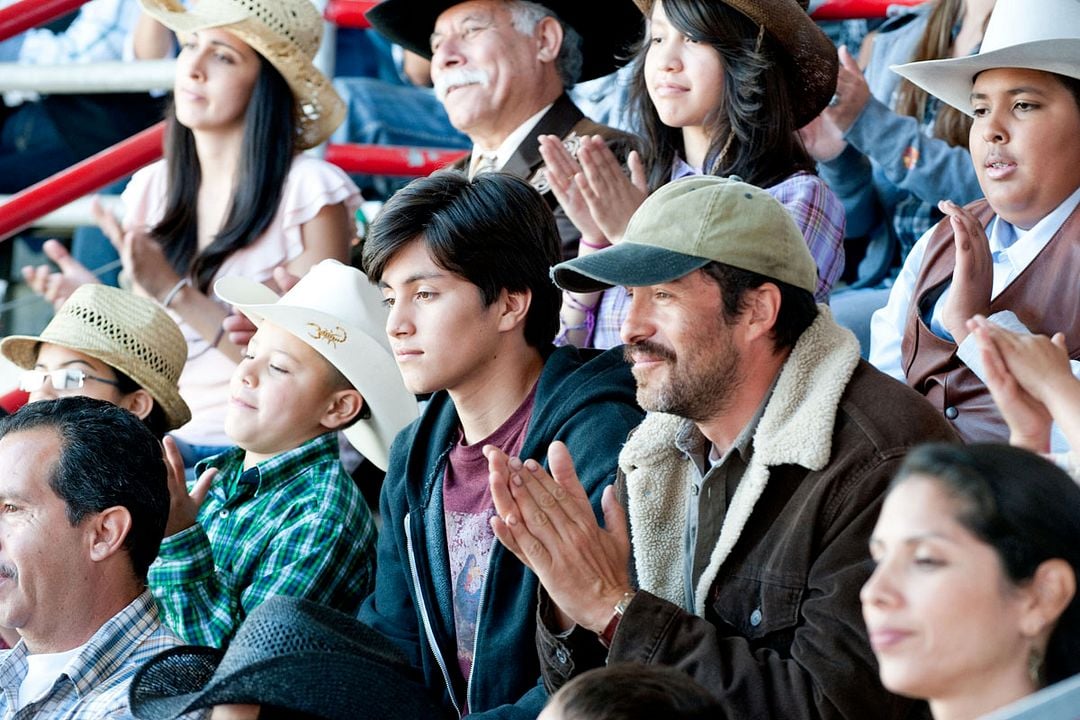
<point x="108" y="344"/>
<point x="278" y="515"/>
<point x="1014" y="256"/>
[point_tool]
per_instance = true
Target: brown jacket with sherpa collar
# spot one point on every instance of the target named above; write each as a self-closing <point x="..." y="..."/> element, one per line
<point x="777" y="631"/>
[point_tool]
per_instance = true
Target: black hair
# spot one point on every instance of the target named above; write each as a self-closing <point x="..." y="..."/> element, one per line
<point x="156" y="419"/>
<point x="266" y="153"/>
<point x="1022" y="505"/>
<point x="756" y="110"/>
<point x="495" y="231"/>
<point x="1072" y="85"/>
<point x="108" y="458"/>
<point x="633" y="691"/>
<point x="798" y="309"/>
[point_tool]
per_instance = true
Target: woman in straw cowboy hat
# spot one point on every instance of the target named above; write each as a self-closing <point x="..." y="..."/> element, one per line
<point x="1015" y="256"/>
<point x="719" y="87"/>
<point x="108" y="344"/>
<point x="233" y="196"/>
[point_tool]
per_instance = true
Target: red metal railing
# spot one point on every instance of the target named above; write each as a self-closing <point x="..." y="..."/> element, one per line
<point x="25" y="14"/>
<point x="350" y="13"/>
<point x="390" y="159"/>
<point x="856" y="9"/>
<point x="93" y="173"/>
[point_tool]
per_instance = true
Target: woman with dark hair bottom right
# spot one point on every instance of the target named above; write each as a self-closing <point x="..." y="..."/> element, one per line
<point x="973" y="603"/>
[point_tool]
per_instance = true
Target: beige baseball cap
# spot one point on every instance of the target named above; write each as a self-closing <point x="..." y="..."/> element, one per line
<point x="689" y="223"/>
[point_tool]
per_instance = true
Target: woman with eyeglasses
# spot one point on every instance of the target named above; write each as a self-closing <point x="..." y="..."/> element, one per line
<point x="108" y="344"/>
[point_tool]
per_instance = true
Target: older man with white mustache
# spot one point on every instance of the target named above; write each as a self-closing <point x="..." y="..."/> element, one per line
<point x="502" y="69"/>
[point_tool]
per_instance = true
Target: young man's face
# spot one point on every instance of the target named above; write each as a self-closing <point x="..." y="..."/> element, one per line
<point x="1024" y="142"/>
<point x="279" y="395"/>
<point x="441" y="334"/>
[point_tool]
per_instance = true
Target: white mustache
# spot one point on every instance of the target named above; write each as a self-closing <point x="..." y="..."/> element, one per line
<point x="456" y="77"/>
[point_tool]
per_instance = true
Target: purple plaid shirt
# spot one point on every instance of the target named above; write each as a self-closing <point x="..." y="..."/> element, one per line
<point x="816" y="211"/>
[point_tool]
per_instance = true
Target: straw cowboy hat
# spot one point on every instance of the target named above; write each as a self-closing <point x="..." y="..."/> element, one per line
<point x="289" y="653"/>
<point x="285" y="32"/>
<point x="606" y="32"/>
<point x="811" y="65"/>
<point x="1043" y="35"/>
<point x="336" y="311"/>
<point x="129" y="333"/>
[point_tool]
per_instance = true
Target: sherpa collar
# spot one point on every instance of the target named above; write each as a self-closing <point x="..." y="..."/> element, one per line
<point x="796" y="428"/>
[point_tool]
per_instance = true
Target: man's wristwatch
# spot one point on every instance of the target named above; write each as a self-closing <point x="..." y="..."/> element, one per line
<point x="608" y="633"/>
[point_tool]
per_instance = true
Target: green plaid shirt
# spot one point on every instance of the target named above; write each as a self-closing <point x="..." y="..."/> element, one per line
<point x="295" y="524"/>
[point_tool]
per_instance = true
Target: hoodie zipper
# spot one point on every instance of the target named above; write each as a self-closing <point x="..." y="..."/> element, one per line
<point x="427" y="622"/>
<point x="479" y="614"/>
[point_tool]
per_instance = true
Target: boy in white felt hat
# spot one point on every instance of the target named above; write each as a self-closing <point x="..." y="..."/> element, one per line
<point x="1014" y="256"/>
<point x="278" y="514"/>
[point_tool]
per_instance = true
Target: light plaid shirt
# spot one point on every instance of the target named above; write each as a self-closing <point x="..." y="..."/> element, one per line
<point x="817" y="212"/>
<point x="295" y="525"/>
<point x="94" y="684"/>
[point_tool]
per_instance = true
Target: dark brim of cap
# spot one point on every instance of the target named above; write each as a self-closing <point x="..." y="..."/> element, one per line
<point x="607" y="35"/>
<point x="629" y="264"/>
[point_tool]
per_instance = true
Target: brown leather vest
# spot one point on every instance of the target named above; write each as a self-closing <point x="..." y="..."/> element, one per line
<point x="1045" y="296"/>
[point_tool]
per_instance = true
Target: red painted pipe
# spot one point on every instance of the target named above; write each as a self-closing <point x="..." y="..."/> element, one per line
<point x="26" y="14"/>
<point x="349" y="13"/>
<point x="390" y="159"/>
<point x="93" y="173"/>
<point x="858" y="9"/>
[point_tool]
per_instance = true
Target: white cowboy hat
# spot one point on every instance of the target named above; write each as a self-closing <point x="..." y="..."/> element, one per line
<point x="285" y="32"/>
<point x="339" y="313"/>
<point x="1042" y="35"/>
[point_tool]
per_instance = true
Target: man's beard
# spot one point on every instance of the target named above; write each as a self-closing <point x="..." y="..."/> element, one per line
<point x="698" y="391"/>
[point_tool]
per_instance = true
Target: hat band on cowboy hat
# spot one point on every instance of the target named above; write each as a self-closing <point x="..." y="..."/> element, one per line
<point x="1020" y="34"/>
<point x="811" y="64"/>
<point x="340" y="314"/>
<point x="285" y="32"/>
<point x="687" y="224"/>
<point x="607" y="34"/>
<point x="129" y="333"/>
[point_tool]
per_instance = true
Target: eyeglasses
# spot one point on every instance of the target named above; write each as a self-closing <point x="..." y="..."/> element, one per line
<point x="63" y="379"/>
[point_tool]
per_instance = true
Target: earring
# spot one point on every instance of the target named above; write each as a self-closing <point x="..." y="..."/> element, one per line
<point x="1035" y="667"/>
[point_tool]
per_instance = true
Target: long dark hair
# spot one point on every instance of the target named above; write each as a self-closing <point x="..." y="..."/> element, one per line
<point x="756" y="110"/>
<point x="936" y="43"/>
<point x="266" y="152"/>
<point x="1024" y="507"/>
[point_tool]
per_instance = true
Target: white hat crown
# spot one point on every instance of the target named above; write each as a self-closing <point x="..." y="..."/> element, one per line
<point x="1013" y="22"/>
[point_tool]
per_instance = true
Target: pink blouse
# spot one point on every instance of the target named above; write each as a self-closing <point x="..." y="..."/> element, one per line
<point x="311" y="185"/>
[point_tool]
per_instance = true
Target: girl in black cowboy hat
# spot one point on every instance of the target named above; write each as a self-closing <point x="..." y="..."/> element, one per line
<point x="720" y="88"/>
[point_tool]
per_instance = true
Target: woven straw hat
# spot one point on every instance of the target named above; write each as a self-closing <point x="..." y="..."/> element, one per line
<point x="289" y="653"/>
<point x="1020" y="34"/>
<point x="812" y="63"/>
<point x="340" y="314"/>
<point x="129" y="333"/>
<point x="285" y="32"/>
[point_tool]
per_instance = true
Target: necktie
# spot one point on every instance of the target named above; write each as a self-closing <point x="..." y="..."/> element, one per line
<point x="485" y="163"/>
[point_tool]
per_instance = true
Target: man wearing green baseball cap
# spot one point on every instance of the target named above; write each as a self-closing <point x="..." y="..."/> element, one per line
<point x="749" y="490"/>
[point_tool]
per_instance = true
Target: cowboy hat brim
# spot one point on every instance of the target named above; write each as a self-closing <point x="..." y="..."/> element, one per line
<point x="952" y="80"/>
<point x="366" y="362"/>
<point x="335" y="685"/>
<point x="607" y="35"/>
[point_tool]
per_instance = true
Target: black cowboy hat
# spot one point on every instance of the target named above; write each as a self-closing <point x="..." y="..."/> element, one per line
<point x="289" y="653"/>
<point x="608" y="30"/>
